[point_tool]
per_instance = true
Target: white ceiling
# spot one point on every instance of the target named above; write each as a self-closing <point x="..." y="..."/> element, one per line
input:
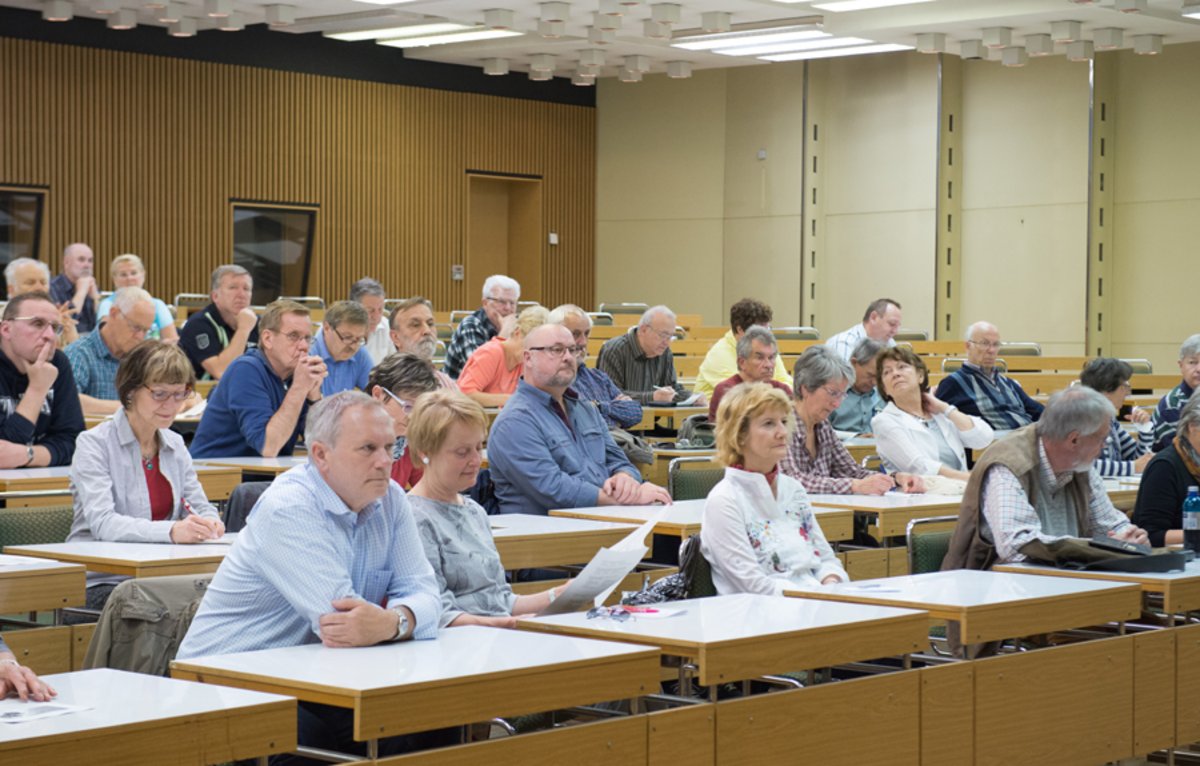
<point x="957" y="19"/>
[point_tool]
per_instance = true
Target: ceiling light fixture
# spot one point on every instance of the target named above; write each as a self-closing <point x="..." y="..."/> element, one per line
<point x="1039" y="45"/>
<point x="828" y="53"/>
<point x="1014" y="57"/>
<point x="841" y="6"/>
<point x="679" y="70"/>
<point x="498" y="18"/>
<point x="1065" y="31"/>
<point x="552" y="29"/>
<point x="715" y="21"/>
<point x="281" y="15"/>
<point x="449" y="38"/>
<point x="809" y="45"/>
<point x="234" y="22"/>
<point x="931" y="42"/>
<point x="495" y="67"/>
<point x="1191" y="9"/>
<point x="123" y="19"/>
<point x="591" y="57"/>
<point x="541" y="62"/>
<point x="604" y="21"/>
<point x="997" y="37"/>
<point x="583" y="80"/>
<point x="1108" y="38"/>
<point x="749" y="37"/>
<point x="1131" y="6"/>
<point x="555" y="12"/>
<point x="598" y="36"/>
<point x="656" y="30"/>
<point x="170" y="13"/>
<point x="218" y="9"/>
<point x="626" y="75"/>
<point x="1081" y="50"/>
<point x="972" y="49"/>
<point x="393" y="33"/>
<point x="666" y="13"/>
<point x="185" y="27"/>
<point x="57" y="10"/>
<point x="637" y="63"/>
<point x="611" y="8"/>
<point x="539" y="76"/>
<point x="1148" y="45"/>
<point x="105" y="7"/>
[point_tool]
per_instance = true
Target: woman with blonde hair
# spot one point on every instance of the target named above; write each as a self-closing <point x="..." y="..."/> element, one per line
<point x="492" y="371"/>
<point x="759" y="532"/>
<point x="128" y="271"/>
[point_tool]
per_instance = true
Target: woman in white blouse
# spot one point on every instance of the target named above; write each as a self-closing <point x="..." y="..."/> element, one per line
<point x="759" y="533"/>
<point x="917" y="432"/>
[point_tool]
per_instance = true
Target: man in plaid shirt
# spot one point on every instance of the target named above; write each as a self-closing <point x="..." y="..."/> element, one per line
<point x="500" y="296"/>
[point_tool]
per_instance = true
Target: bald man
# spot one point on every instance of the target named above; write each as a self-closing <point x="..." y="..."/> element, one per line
<point x="980" y="388"/>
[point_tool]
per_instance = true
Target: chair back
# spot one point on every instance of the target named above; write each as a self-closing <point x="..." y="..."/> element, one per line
<point x="458" y="315"/>
<point x="601" y="318"/>
<point x="802" y="332"/>
<point x="624" y="308"/>
<point x="144" y="622"/>
<point x="928" y="540"/>
<point x="35" y="525"/>
<point x="871" y="462"/>
<point x="685" y="483"/>
<point x="904" y="334"/>
<point x="192" y="300"/>
<point x="444" y="331"/>
<point x="1140" y="366"/>
<point x="696" y="571"/>
<point x="310" y="302"/>
<point x="954" y="364"/>
<point x="1020" y="349"/>
<point x="241" y="502"/>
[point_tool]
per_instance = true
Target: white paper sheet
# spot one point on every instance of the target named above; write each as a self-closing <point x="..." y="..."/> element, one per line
<point x="604" y="572"/>
<point x="229" y="538"/>
<point x="13" y="710"/>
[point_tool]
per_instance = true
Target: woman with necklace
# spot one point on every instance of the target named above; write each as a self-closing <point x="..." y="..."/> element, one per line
<point x="917" y="432"/>
<point x="759" y="532"/>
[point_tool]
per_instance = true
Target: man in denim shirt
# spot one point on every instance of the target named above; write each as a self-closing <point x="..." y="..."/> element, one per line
<point x="550" y="450"/>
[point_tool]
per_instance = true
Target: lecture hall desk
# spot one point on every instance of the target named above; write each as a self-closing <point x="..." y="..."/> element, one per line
<point x="1179" y="590"/>
<point x="218" y="482"/>
<point x="42" y="586"/>
<point x="130" y="559"/>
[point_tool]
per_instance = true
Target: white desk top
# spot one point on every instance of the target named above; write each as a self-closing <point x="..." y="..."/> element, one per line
<point x="457" y="653"/>
<point x="255" y="462"/>
<point x="963" y="588"/>
<point x="727" y="618"/>
<point x="517" y="524"/>
<point x="886" y="501"/>
<point x="118" y="698"/>
<point x="41" y="566"/>
<point x="134" y="553"/>
<point x="1191" y="571"/>
<point x="685" y="512"/>
<point x="64" y="471"/>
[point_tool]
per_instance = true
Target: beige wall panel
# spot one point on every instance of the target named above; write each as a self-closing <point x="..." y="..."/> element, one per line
<point x="660" y="149"/>
<point x="762" y="260"/>
<point x="671" y="262"/>
<point x="874" y="255"/>
<point x="764" y="111"/>
<point x="880" y="133"/>
<point x="1025" y="270"/>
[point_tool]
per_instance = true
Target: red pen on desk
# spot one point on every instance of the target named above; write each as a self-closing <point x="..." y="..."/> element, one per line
<point x="640" y="609"/>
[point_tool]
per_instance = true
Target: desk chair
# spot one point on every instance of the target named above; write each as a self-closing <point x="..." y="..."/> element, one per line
<point x="904" y="334"/>
<point x="444" y="331"/>
<point x="928" y="540"/>
<point x="35" y="525"/>
<point x="803" y="332"/>
<point x="241" y="501"/>
<point x="191" y="300"/>
<point x="624" y="308"/>
<point x="144" y="623"/>
<point x="692" y="483"/>
<point x="601" y="318"/>
<point x="458" y="315"/>
<point x="953" y="364"/>
<point x="311" y="302"/>
<point x="1020" y="349"/>
<point x="1140" y="366"/>
<point x="871" y="462"/>
<point x="522" y="305"/>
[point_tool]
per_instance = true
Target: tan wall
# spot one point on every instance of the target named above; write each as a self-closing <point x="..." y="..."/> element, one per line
<point x="143" y="154"/>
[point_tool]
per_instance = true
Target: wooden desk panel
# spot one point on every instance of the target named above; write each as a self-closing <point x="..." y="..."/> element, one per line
<point x="1187" y="683"/>
<point x="684" y="735"/>
<point x="947" y="714"/>
<point x="1153" y="680"/>
<point x="34" y="589"/>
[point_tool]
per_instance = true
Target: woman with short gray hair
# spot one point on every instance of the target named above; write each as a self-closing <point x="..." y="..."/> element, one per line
<point x="816" y="457"/>
<point x="1165" y="483"/>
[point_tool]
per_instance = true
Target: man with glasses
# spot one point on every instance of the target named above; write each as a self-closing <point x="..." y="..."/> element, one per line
<point x="396" y="383"/>
<point x="95" y="357"/>
<point x="980" y="388"/>
<point x="260" y="405"/>
<point x="757" y="355"/>
<point x="500" y="296"/>
<point x="548" y="449"/>
<point x="40" y="414"/>
<point x="640" y="361"/>
<point x="371" y="295"/>
<point x="341" y="344"/>
<point x="862" y="401"/>
<point x="414" y="331"/>
<point x="223" y="331"/>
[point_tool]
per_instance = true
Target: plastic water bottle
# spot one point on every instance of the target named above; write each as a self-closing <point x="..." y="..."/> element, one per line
<point x="1191" y="519"/>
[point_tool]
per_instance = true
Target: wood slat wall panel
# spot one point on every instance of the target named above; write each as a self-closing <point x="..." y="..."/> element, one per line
<point x="143" y="154"/>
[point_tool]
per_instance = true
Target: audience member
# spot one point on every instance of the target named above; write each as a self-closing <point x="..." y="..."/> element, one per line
<point x="862" y="400"/>
<point x="617" y="409"/>
<point x="40" y="414"/>
<point x="341" y="345"/>
<point x="224" y="329"/>
<point x="1121" y="455"/>
<point x="815" y="456"/>
<point x="1169" y="406"/>
<point x="259" y="407"/>
<point x="371" y="295"/>
<point x="757" y="357"/>
<point x="759" y="533"/>
<point x="881" y="322"/>
<point x="330" y="555"/>
<point x="980" y="388"/>
<point x="1037" y="486"/>
<point x="94" y="357"/>
<point x="396" y="384"/>
<point x="25" y="275"/>
<point x="414" y="331"/>
<point x="18" y="680"/>
<point x="640" y="361"/>
<point x="447" y="433"/>
<point x="76" y="287"/>
<point x="1164" y="485"/>
<point x="550" y="450"/>
<point x="720" y="363"/>
<point x="500" y="296"/>
<point x="491" y="374"/>
<point x="129" y="271"/>
<point x="917" y="432"/>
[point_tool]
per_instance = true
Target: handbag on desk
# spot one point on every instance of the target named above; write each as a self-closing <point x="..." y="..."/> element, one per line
<point x="1076" y="553"/>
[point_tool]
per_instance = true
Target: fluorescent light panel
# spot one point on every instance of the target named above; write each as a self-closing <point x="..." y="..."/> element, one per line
<point x="859" y="50"/>
<point x="392" y="33"/>
<point x="384" y="2"/>
<point x="811" y="45"/>
<point x="862" y="5"/>
<point x="471" y="35"/>
<point x="737" y="39"/>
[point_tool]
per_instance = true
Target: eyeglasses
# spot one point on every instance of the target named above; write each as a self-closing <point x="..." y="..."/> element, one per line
<point x="985" y="344"/>
<point x="503" y="302"/>
<point x="137" y="328"/>
<point x="295" y="337"/>
<point x="618" y="613"/>
<point x="834" y="393"/>
<point x="662" y="334"/>
<point x="555" y="350"/>
<point x="405" y="406"/>
<point x="162" y="396"/>
<point x="351" y="341"/>
<point x="39" y="324"/>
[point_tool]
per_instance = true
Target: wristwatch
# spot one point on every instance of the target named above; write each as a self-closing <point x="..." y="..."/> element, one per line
<point x="28" y="454"/>
<point x="401" y="625"/>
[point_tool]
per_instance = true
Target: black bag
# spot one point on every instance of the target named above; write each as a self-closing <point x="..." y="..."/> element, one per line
<point x="1073" y="553"/>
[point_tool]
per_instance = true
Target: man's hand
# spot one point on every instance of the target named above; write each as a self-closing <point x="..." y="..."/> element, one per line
<point x="830" y="579"/>
<point x="1131" y="533"/>
<point x="246" y="319"/>
<point x="664" y="394"/>
<point x="909" y="482"/>
<point x="701" y="401"/>
<point x="23" y="682"/>
<point x="875" y="484"/>
<point x="650" y="493"/>
<point x="13" y="455"/>
<point x="41" y="372"/>
<point x="622" y="488"/>
<point x="623" y="398"/>
<point x="1138" y="415"/>
<point x="196" y="529"/>
<point x="357" y="623"/>
<point x="309" y="375"/>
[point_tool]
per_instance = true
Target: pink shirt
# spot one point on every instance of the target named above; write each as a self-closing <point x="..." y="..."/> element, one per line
<point x="486" y="371"/>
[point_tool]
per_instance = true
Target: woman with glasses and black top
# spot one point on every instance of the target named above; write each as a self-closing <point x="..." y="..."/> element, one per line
<point x="396" y="383"/>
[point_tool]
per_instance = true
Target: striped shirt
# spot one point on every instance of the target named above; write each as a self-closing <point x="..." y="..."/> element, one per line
<point x="596" y="387"/>
<point x="303" y="548"/>
<point x="1121" y="450"/>
<point x="472" y="332"/>
<point x="831" y="472"/>
<point x="998" y="399"/>
<point x="636" y="374"/>
<point x="1166" y="414"/>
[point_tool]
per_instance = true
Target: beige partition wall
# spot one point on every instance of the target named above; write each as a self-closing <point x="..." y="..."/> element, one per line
<point x="1025" y="185"/>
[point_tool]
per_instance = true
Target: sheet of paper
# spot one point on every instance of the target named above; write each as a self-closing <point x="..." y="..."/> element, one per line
<point x="604" y="572"/>
<point x="229" y="538"/>
<point x="8" y="560"/>
<point x="195" y="411"/>
<point x="13" y="710"/>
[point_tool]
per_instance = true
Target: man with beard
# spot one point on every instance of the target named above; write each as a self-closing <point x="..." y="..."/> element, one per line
<point x="548" y="449"/>
<point x="414" y="332"/>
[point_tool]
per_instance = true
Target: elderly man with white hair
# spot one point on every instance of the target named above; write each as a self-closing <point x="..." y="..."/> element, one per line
<point x="979" y="387"/>
<point x="640" y="361"/>
<point x="1166" y="414"/>
<point x="26" y="275"/>
<point x="500" y="296"/>
<point x="1037" y="487"/>
<point x="95" y="357"/>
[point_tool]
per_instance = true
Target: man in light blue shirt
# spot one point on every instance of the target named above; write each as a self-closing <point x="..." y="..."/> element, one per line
<point x="341" y="344"/>
<point x="862" y="400"/>
<point x="330" y="553"/>
<point x="548" y="449"/>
